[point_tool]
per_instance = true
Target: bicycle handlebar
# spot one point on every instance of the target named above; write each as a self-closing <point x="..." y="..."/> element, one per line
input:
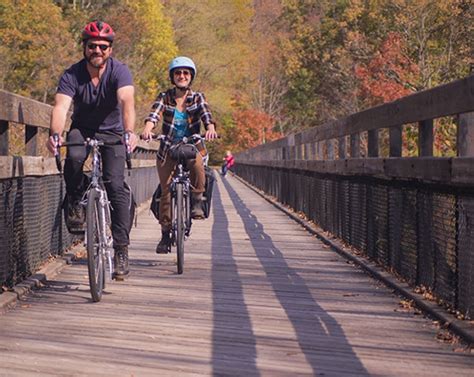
<point x="128" y="150"/>
<point x="89" y="142"/>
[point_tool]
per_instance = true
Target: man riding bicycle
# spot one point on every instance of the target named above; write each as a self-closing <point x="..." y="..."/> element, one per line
<point x="182" y="111"/>
<point x="101" y="89"/>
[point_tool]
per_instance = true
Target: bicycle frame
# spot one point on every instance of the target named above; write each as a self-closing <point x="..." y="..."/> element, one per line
<point x="104" y="217"/>
<point x="181" y="177"/>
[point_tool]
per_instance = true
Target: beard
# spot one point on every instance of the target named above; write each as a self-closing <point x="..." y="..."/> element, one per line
<point x="93" y="60"/>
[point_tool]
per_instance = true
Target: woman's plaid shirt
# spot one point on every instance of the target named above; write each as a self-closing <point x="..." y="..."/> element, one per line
<point x="163" y="108"/>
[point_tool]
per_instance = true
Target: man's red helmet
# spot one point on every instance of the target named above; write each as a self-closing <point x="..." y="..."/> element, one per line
<point x="98" y="29"/>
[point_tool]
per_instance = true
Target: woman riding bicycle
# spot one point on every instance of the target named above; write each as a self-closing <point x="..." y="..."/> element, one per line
<point x="182" y="111"/>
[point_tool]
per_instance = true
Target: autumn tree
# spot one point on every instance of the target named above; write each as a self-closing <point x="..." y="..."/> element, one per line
<point x="33" y="53"/>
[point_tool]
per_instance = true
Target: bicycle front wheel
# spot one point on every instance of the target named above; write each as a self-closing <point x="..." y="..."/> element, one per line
<point x="95" y="256"/>
<point x="180" y="226"/>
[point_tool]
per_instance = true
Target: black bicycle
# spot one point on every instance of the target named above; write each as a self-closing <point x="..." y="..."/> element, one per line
<point x="180" y="190"/>
<point x="98" y="232"/>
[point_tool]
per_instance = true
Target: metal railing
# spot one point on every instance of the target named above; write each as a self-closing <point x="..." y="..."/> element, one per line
<point x="413" y="215"/>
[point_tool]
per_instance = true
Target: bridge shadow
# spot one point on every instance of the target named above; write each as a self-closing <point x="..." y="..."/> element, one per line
<point x="319" y="336"/>
<point x="233" y="341"/>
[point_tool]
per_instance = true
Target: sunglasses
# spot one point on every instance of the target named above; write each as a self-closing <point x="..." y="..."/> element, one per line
<point x="178" y="72"/>
<point x="93" y="46"/>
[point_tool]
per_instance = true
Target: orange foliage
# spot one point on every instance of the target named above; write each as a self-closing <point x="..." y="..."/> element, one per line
<point x="253" y="128"/>
<point x="387" y="75"/>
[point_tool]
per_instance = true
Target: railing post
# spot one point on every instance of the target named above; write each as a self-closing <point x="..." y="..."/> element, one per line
<point x="355" y="145"/>
<point x="330" y="149"/>
<point x="319" y="149"/>
<point x="342" y="147"/>
<point x="395" y="136"/>
<point x="373" y="143"/>
<point x="4" y="143"/>
<point x="425" y="138"/>
<point x="31" y="140"/>
<point x="465" y="135"/>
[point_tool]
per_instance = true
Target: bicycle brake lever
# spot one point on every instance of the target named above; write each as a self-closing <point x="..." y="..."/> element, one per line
<point x="57" y="155"/>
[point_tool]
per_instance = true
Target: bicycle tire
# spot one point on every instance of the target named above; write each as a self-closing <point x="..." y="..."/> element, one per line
<point x="180" y="227"/>
<point x="95" y="258"/>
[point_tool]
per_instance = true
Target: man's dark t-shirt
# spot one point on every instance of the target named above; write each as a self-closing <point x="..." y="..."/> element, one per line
<point x="95" y="108"/>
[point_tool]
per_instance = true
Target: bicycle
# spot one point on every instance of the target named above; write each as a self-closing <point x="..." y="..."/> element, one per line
<point x="98" y="232"/>
<point x="180" y="190"/>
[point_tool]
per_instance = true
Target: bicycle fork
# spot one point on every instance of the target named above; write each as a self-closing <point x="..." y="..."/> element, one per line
<point x="104" y="233"/>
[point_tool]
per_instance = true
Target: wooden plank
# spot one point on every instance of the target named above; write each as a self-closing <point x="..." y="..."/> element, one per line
<point x="22" y="110"/>
<point x="355" y="146"/>
<point x="342" y="147"/>
<point x="373" y="143"/>
<point x="4" y="138"/>
<point x="395" y="140"/>
<point x="31" y="140"/>
<point x="435" y="169"/>
<point x="465" y="135"/>
<point x="448" y="171"/>
<point x="425" y="138"/>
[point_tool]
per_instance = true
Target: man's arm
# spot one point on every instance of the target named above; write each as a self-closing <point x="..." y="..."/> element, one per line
<point x="125" y="96"/>
<point x="61" y="106"/>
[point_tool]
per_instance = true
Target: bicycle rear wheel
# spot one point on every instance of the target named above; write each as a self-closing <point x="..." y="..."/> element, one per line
<point x="95" y="256"/>
<point x="180" y="226"/>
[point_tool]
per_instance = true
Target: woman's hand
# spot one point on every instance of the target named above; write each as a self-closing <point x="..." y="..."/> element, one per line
<point x="146" y="133"/>
<point x="211" y="132"/>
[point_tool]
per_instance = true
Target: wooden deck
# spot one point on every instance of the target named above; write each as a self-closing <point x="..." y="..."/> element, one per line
<point x="259" y="296"/>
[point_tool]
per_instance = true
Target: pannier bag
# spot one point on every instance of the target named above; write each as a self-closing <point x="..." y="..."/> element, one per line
<point x="206" y="203"/>
<point x="132" y="205"/>
<point x="210" y="179"/>
<point x="155" y="202"/>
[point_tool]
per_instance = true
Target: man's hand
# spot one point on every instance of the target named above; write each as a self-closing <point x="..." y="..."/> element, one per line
<point x="211" y="132"/>
<point x="53" y="146"/>
<point x="132" y="140"/>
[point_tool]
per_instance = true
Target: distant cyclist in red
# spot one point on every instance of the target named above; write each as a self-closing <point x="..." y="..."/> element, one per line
<point x="228" y="162"/>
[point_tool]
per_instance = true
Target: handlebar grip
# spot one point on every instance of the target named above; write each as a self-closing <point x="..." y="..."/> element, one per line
<point x="57" y="156"/>
<point x="128" y="150"/>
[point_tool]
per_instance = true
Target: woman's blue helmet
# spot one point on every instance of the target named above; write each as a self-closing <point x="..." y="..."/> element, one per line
<point x="182" y="62"/>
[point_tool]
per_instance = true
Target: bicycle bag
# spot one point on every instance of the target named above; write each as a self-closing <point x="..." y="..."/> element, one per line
<point x="155" y="202"/>
<point x="183" y="152"/>
<point x="209" y="186"/>
<point x="132" y="205"/>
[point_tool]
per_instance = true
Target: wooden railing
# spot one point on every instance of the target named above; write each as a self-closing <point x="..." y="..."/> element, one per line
<point x="306" y="149"/>
<point x="411" y="214"/>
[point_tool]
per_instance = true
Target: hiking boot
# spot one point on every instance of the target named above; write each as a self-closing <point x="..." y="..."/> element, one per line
<point x="75" y="217"/>
<point x="164" y="246"/>
<point x="121" y="262"/>
<point x="197" y="212"/>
